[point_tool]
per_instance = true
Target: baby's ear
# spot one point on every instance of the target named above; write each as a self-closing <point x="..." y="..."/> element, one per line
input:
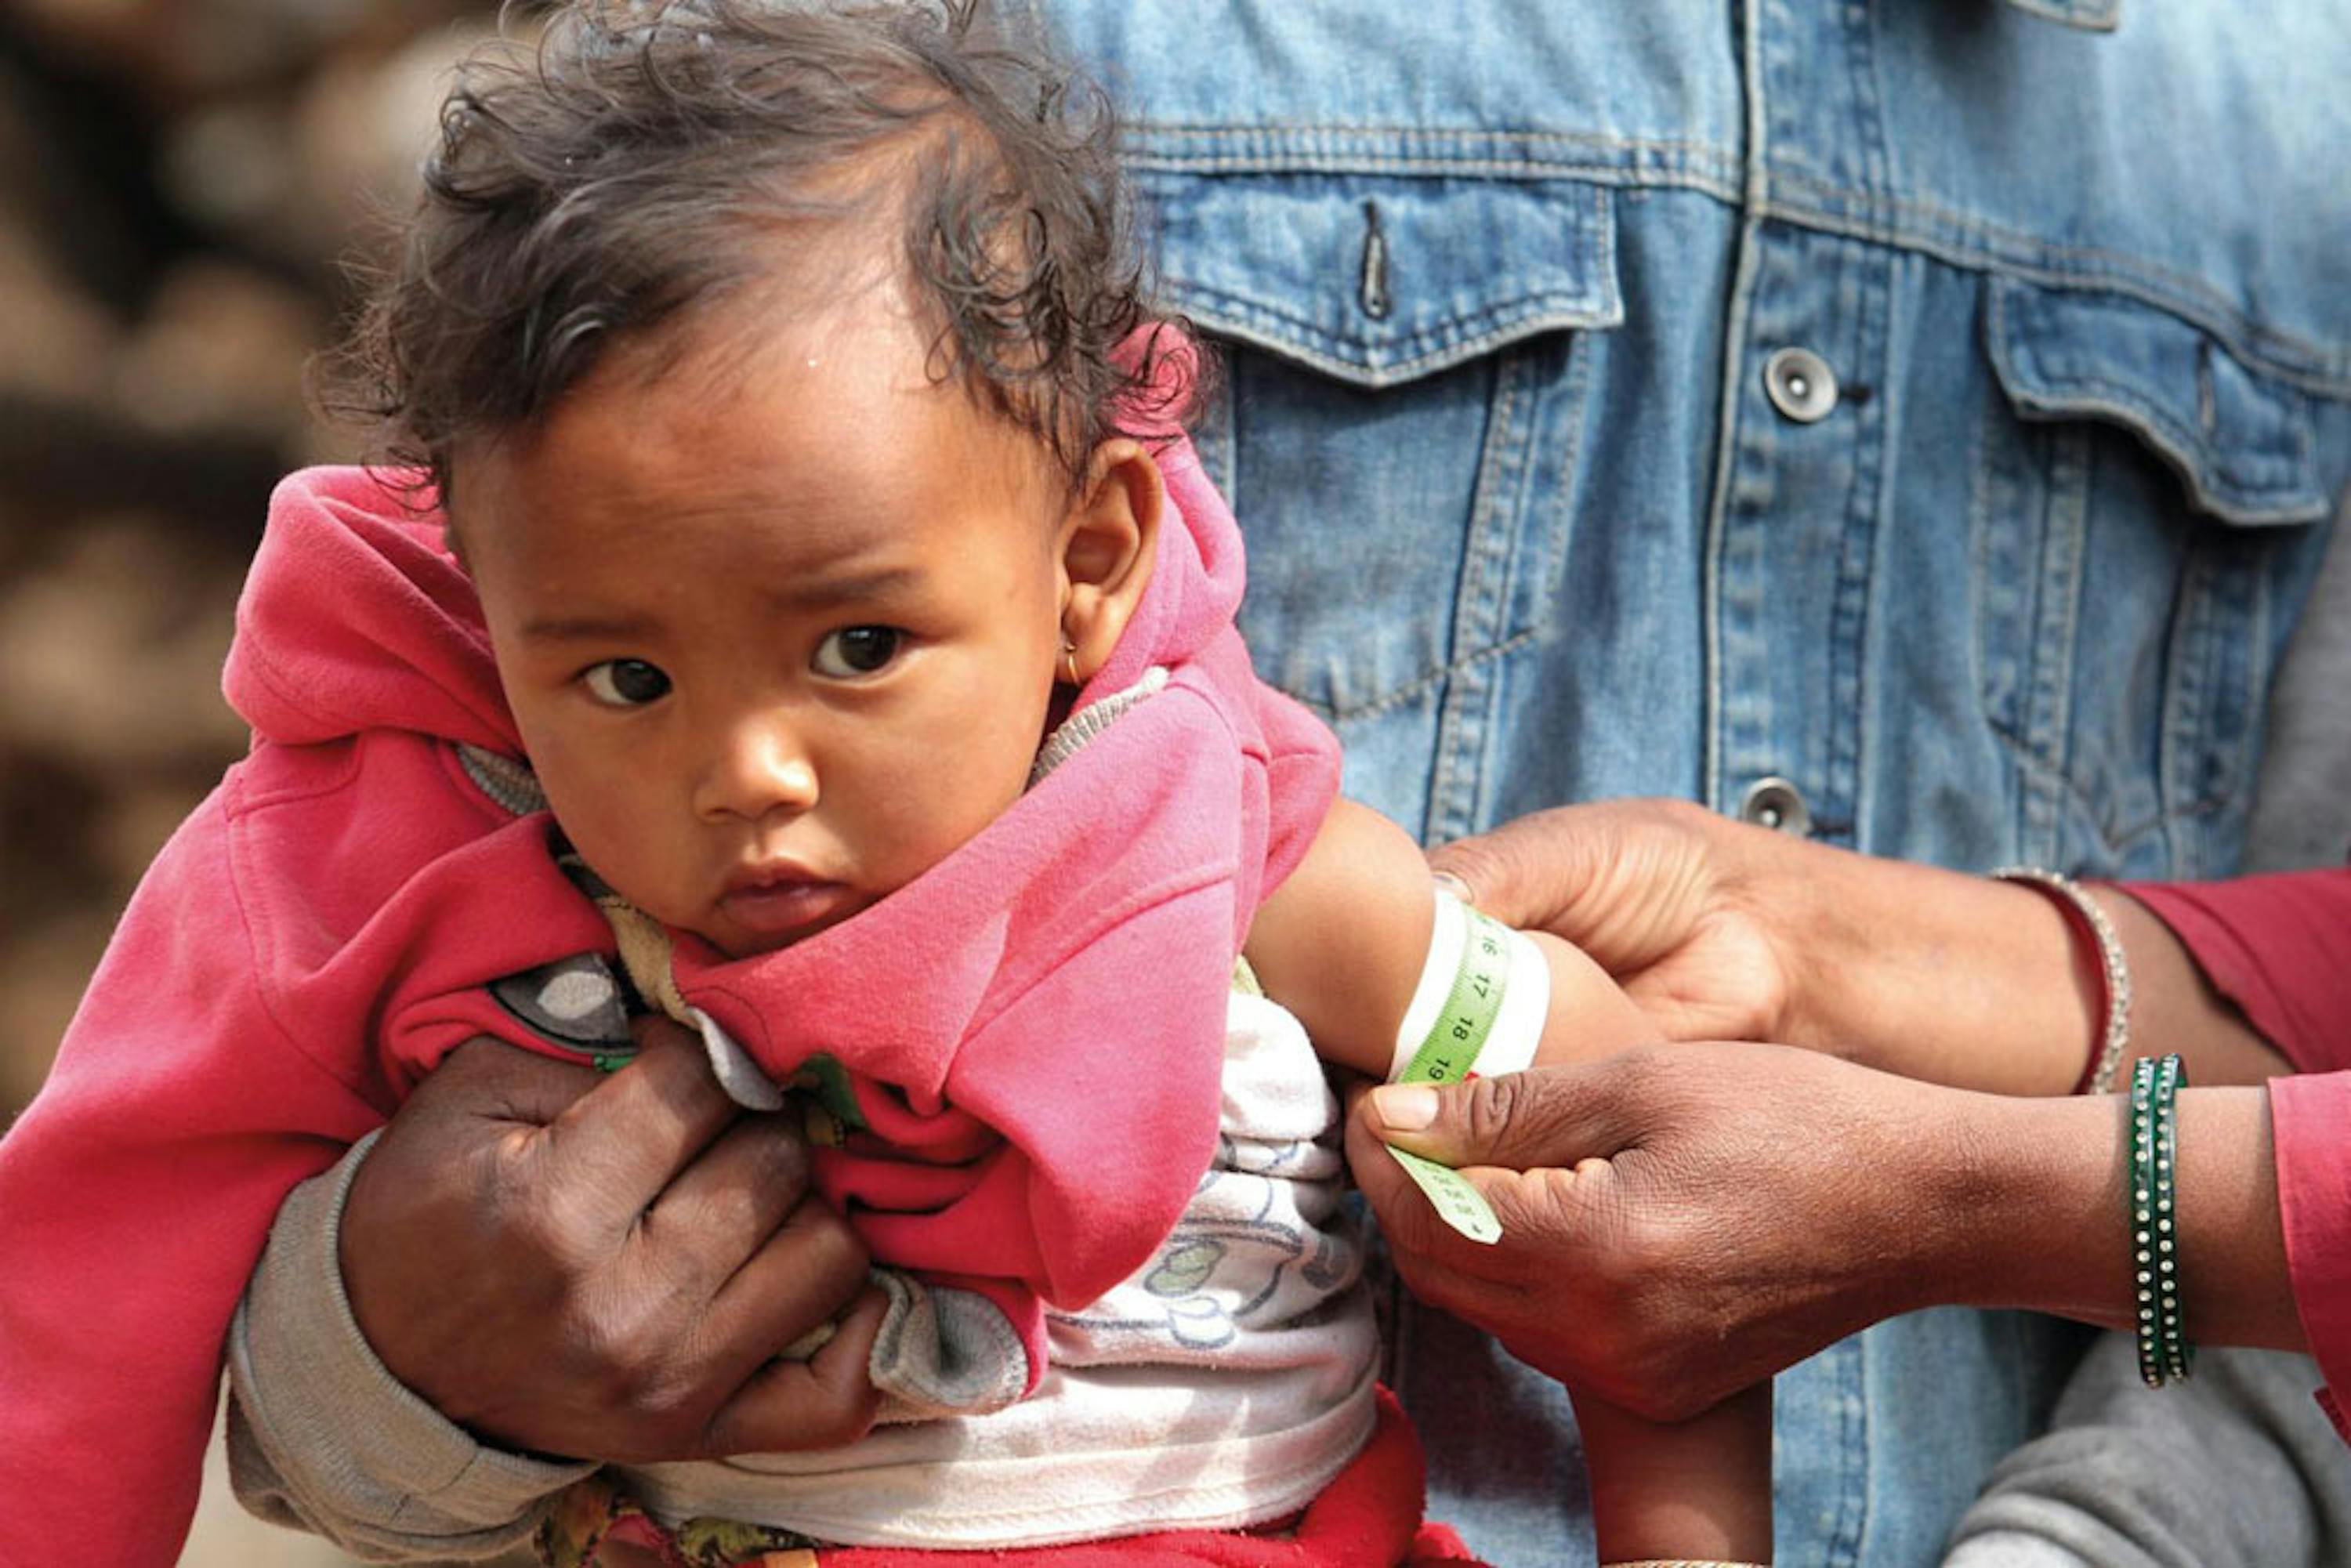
<point x="1107" y="544"/>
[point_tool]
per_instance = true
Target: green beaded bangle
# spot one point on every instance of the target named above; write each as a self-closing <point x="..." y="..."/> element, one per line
<point x="2165" y="1354"/>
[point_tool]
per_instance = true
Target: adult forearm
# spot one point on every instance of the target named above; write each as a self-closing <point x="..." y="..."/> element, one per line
<point x="1983" y="983"/>
<point x="2037" y="1193"/>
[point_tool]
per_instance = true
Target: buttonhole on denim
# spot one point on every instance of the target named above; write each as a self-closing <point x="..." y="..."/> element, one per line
<point x="2206" y="415"/>
<point x="1857" y="394"/>
<point x="1376" y="301"/>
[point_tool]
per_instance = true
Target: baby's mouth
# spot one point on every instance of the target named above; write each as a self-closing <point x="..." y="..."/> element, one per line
<point x="775" y="906"/>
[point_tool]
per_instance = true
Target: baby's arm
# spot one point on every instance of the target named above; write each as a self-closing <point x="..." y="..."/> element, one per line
<point x="1342" y="943"/>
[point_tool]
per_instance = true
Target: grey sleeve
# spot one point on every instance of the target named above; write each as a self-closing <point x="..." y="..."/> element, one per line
<point x="2236" y="1465"/>
<point x="322" y="1438"/>
<point x="2302" y="813"/>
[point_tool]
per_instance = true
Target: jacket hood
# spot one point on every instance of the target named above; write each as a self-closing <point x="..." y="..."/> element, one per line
<point x="356" y="617"/>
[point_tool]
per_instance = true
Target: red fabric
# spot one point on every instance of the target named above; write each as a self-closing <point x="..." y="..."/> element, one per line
<point x="2280" y="948"/>
<point x="320" y="932"/>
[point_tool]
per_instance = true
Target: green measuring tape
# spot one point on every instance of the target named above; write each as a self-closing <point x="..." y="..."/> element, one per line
<point x="1446" y="1054"/>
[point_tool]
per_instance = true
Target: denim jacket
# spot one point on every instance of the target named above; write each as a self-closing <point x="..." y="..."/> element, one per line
<point x="1914" y="424"/>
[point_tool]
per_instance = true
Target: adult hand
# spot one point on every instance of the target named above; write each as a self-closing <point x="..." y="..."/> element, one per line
<point x="1720" y="930"/>
<point x="605" y="1267"/>
<point x="1678" y="1222"/>
<point x="1686" y="909"/>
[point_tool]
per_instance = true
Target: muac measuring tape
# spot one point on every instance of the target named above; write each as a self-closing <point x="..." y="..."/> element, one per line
<point x="1450" y="1029"/>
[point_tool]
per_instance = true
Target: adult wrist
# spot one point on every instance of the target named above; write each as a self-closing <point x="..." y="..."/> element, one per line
<point x="1939" y="974"/>
<point x="2039" y="1224"/>
<point x="325" y="1425"/>
<point x="1936" y="1189"/>
<point x="2102" y="964"/>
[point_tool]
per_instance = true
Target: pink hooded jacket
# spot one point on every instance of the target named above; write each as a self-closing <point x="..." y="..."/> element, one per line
<point x="1050" y="998"/>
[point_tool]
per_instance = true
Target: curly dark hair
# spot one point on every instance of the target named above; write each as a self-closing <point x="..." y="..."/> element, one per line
<point x="645" y="159"/>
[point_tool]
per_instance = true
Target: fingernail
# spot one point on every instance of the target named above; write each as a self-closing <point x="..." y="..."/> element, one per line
<point x="1404" y="1107"/>
<point x="1446" y="882"/>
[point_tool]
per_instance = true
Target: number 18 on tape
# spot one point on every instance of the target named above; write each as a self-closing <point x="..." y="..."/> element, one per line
<point x="1449" y="1054"/>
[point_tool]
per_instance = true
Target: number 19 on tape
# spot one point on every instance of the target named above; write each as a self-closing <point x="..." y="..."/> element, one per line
<point x="1449" y="1054"/>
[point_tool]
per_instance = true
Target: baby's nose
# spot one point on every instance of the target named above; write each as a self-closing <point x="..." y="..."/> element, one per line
<point x="760" y="767"/>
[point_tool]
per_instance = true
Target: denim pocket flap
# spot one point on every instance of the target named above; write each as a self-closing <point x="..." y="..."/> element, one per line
<point x="2091" y="15"/>
<point x="1377" y="280"/>
<point x="2244" y="441"/>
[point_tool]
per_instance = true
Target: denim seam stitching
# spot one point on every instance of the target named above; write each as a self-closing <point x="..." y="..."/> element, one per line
<point x="1964" y="223"/>
<point x="1508" y="323"/>
<point x="2057" y="613"/>
<point x="1663" y="177"/>
<point x="1971" y="240"/>
<point x="2007" y="720"/>
<point x="2185" y="693"/>
<point x="1407" y="692"/>
<point x="1850" y="614"/>
<point x="1434" y="133"/>
<point x="1479" y="608"/>
<point x="1574" y="388"/>
<point x="2116" y="840"/>
<point x="2321" y="369"/>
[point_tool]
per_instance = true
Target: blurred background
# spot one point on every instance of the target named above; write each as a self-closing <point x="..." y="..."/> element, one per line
<point x="184" y="184"/>
<point x="183" y="187"/>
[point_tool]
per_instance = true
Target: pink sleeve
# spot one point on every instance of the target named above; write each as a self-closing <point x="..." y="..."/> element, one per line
<point x="2280" y="948"/>
<point x="134" y="1196"/>
<point x="2310" y="1119"/>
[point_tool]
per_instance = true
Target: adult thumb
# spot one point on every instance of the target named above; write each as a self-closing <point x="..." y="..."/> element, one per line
<point x="1490" y="871"/>
<point x="1542" y="1117"/>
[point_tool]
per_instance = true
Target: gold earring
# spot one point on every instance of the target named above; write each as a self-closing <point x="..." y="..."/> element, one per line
<point x="1070" y="662"/>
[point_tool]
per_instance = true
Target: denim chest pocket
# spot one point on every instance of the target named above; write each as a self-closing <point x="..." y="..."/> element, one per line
<point x="1401" y="378"/>
<point x="2136" y="515"/>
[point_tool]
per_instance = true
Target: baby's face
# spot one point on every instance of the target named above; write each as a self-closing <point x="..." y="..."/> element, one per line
<point x="778" y="625"/>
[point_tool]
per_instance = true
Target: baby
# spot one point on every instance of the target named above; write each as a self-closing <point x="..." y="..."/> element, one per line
<point x="830" y="647"/>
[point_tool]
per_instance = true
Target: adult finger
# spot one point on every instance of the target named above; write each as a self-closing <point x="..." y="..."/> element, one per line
<point x="801" y="1276"/>
<point x="1407" y="1219"/>
<point x="1514" y="872"/>
<point x="722" y="1208"/>
<point x="1626" y="880"/>
<point x="633" y="1132"/>
<point x="823" y="1402"/>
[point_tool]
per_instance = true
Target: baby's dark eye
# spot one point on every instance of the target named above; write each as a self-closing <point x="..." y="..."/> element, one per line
<point x="626" y="683"/>
<point x="856" y="650"/>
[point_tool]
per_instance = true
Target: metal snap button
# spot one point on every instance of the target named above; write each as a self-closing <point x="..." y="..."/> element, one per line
<point x="1800" y="384"/>
<point x="1773" y="802"/>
